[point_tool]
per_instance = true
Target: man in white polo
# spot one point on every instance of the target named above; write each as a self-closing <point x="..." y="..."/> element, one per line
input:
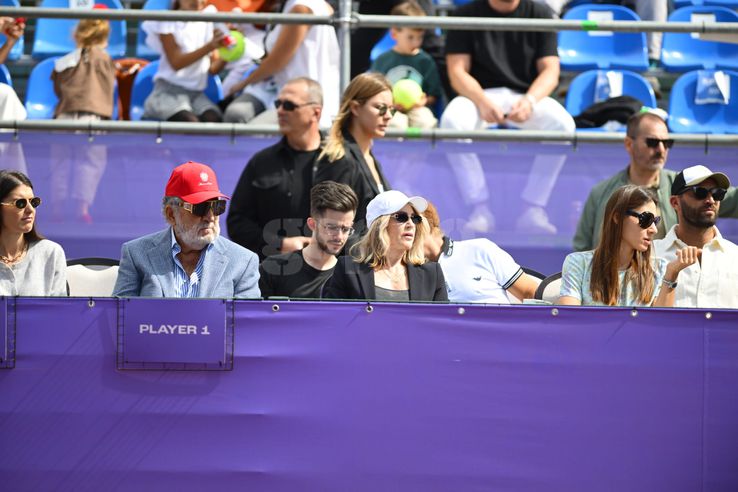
<point x="710" y="283"/>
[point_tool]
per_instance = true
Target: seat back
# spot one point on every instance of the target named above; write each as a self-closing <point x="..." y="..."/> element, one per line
<point x="549" y="288"/>
<point x="533" y="273"/>
<point x="586" y="50"/>
<point x="17" y="50"/>
<point x="581" y="92"/>
<point x="682" y="52"/>
<point x="54" y="37"/>
<point x="383" y="45"/>
<point x="5" y="77"/>
<point x="91" y="277"/>
<point x="142" y="49"/>
<point x="687" y="117"/>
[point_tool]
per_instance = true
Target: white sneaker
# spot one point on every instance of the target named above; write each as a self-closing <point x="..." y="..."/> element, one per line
<point x="535" y="221"/>
<point x="481" y="221"/>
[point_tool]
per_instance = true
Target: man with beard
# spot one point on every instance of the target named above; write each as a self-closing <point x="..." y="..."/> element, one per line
<point x="647" y="143"/>
<point x="302" y="273"/>
<point x="189" y="258"/>
<point x="711" y="282"/>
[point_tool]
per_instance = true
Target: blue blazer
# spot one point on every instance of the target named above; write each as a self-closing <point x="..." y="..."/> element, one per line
<point x="147" y="269"/>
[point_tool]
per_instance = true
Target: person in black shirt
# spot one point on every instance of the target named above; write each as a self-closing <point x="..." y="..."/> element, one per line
<point x="302" y="273"/>
<point x="271" y="200"/>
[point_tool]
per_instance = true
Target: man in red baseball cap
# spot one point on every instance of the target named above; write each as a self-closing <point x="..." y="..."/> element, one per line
<point x="189" y="258"/>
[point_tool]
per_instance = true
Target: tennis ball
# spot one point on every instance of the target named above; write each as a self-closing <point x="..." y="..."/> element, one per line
<point x="407" y="93"/>
<point x="235" y="51"/>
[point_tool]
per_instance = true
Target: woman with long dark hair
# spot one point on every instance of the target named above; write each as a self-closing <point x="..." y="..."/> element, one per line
<point x="622" y="271"/>
<point x="29" y="264"/>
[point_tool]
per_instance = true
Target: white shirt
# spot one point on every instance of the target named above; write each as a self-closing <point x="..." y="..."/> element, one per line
<point x="478" y="270"/>
<point x="709" y="283"/>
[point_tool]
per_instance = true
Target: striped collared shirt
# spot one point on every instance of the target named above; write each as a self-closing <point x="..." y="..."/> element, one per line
<point x="187" y="286"/>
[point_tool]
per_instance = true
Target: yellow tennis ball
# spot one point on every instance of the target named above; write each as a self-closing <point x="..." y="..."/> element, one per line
<point x="407" y="93"/>
<point x="235" y="51"/>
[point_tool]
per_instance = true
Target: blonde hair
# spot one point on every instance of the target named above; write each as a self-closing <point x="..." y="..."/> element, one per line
<point x="372" y="248"/>
<point x="362" y="88"/>
<point x="92" y="32"/>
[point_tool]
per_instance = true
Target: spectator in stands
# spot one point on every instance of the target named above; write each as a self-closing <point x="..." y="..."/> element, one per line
<point x="293" y="50"/>
<point x="647" y="143"/>
<point x="237" y="5"/>
<point x="476" y="270"/>
<point x="29" y="264"/>
<point x="302" y="273"/>
<point x="366" y="109"/>
<point x="187" y="58"/>
<point x="622" y="271"/>
<point x="406" y="60"/>
<point x="84" y="82"/>
<point x="189" y="258"/>
<point x="388" y="262"/>
<point x="505" y="78"/>
<point x="11" y="108"/>
<point x="710" y="283"/>
<point x="271" y="201"/>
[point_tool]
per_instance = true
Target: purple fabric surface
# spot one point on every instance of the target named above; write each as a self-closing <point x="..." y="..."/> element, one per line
<point x="330" y="397"/>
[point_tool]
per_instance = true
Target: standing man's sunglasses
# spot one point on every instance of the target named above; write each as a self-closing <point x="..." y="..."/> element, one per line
<point x="403" y="217"/>
<point x="22" y="203"/>
<point x="701" y="193"/>
<point x="201" y="209"/>
<point x="288" y="105"/>
<point x="652" y="143"/>
<point x="645" y="219"/>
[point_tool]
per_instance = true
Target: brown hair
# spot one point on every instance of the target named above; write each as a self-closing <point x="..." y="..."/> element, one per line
<point x="372" y="248"/>
<point x="431" y="216"/>
<point x="330" y="195"/>
<point x="92" y="32"/>
<point x="410" y="8"/>
<point x="10" y="180"/>
<point x="604" y="283"/>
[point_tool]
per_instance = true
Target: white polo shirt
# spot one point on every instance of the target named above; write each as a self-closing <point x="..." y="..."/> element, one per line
<point x="709" y="283"/>
<point x="478" y="270"/>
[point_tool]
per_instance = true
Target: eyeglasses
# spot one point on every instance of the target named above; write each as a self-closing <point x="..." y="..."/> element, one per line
<point x="403" y="217"/>
<point x="201" y="209"/>
<point x="22" y="203"/>
<point x="700" y="193"/>
<point x="382" y="110"/>
<point x="645" y="219"/>
<point x="652" y="143"/>
<point x="335" y="229"/>
<point x="289" y="105"/>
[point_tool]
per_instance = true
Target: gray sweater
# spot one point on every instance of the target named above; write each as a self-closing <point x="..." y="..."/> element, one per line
<point x="42" y="272"/>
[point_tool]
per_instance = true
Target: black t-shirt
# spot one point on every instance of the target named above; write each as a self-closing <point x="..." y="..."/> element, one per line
<point x="503" y="58"/>
<point x="290" y="275"/>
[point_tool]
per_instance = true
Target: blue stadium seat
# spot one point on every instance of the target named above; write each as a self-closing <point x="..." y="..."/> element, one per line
<point x="54" y="36"/>
<point x="582" y="50"/>
<point x="731" y="4"/>
<point x="17" y="50"/>
<point x="143" y="84"/>
<point x="680" y="52"/>
<point x="142" y="50"/>
<point x="687" y="117"/>
<point x="384" y="44"/>
<point x="41" y="99"/>
<point x="581" y="92"/>
<point x="5" y="77"/>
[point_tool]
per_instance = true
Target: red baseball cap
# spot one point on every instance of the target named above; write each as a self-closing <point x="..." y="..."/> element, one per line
<point x="194" y="183"/>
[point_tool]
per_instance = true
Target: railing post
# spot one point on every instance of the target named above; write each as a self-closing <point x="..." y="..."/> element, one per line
<point x="344" y="40"/>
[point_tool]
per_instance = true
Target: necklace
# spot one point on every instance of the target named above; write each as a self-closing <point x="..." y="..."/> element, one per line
<point x="11" y="260"/>
<point x="395" y="278"/>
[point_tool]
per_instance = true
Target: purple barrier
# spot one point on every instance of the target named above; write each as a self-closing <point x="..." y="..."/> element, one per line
<point x="331" y="397"/>
<point x="123" y="178"/>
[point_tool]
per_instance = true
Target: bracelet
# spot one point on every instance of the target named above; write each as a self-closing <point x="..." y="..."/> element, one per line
<point x="531" y="99"/>
<point x="670" y="284"/>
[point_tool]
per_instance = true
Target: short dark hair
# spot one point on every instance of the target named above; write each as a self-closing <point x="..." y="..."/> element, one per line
<point x="10" y="180"/>
<point x="634" y="122"/>
<point x="330" y="195"/>
<point x="410" y="8"/>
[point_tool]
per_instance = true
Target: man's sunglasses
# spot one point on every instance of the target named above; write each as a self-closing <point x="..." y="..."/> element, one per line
<point x="403" y="217"/>
<point x="22" y="203"/>
<point x="645" y="219"/>
<point x="288" y="105"/>
<point x="701" y="193"/>
<point x="382" y="110"/>
<point x="201" y="209"/>
<point x="652" y="143"/>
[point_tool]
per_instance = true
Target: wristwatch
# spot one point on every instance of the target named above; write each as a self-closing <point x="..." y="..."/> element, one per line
<point x="670" y="284"/>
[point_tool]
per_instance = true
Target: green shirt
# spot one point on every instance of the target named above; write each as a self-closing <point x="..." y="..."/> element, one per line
<point x="421" y="68"/>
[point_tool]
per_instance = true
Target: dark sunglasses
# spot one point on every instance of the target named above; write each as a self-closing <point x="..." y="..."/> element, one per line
<point x="288" y="105"/>
<point x="700" y="193"/>
<point x="382" y="110"/>
<point x="22" y="203"/>
<point x="645" y="219"/>
<point x="403" y="217"/>
<point x="201" y="209"/>
<point x="652" y="143"/>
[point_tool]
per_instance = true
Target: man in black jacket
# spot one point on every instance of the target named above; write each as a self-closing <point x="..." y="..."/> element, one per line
<point x="272" y="198"/>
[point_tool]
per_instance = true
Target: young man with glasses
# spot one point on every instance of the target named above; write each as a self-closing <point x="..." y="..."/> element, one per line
<point x="302" y="273"/>
<point x="648" y="143"/>
<point x="272" y="198"/>
<point x="189" y="258"/>
<point x="696" y="196"/>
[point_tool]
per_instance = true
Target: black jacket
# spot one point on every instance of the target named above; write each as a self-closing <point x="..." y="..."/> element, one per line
<point x="352" y="280"/>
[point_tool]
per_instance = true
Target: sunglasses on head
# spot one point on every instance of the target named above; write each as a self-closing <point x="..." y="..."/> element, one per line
<point x="22" y="203"/>
<point x="288" y="105"/>
<point x="700" y="193"/>
<point x="645" y="219"/>
<point x="201" y="209"/>
<point x="652" y="143"/>
<point x="403" y="217"/>
<point x="382" y="110"/>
